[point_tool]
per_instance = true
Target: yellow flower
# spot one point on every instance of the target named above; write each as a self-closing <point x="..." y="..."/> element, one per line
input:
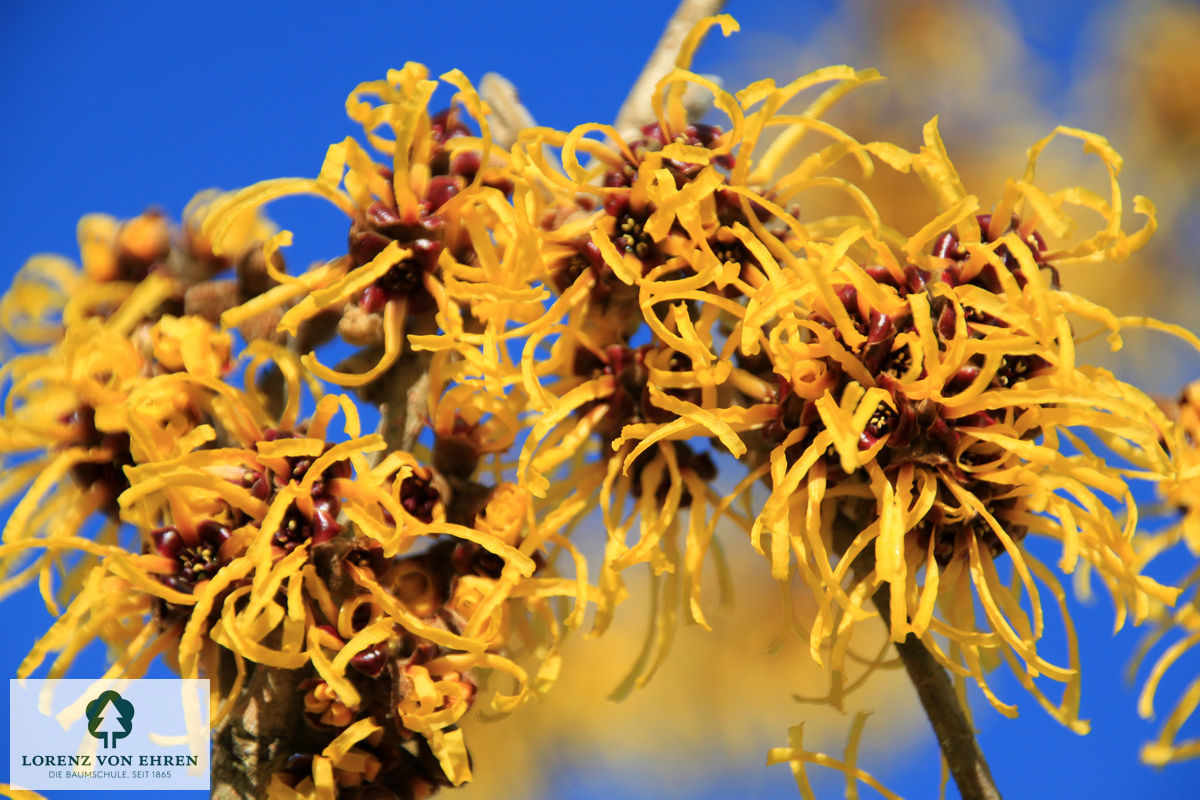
<point x="796" y="756"/>
<point x="31" y="309"/>
<point x="243" y="553"/>
<point x="49" y="294"/>
<point x="108" y="602"/>
<point x="70" y="411"/>
<point x="617" y="333"/>
<point x="505" y="514"/>
<point x="665" y="233"/>
<point x="469" y="595"/>
<point x="1183" y="491"/>
<point x="243" y="233"/>
<point x="322" y="702"/>
<point x="189" y="344"/>
<point x="432" y="227"/>
<point x="111" y="250"/>
<point x="1183" y="626"/>
<point x="667" y="221"/>
<point x="923" y="424"/>
<point x="906" y="398"/>
<point x="287" y="483"/>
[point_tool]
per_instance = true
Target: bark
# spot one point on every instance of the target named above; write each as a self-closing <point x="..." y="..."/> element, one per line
<point x="258" y="737"/>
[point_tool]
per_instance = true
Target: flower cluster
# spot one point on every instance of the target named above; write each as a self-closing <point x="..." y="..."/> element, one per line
<point x="912" y="403"/>
<point x="291" y="551"/>
<point x="1180" y="625"/>
<point x="653" y="325"/>
<point x="111" y="330"/>
<point x="240" y="539"/>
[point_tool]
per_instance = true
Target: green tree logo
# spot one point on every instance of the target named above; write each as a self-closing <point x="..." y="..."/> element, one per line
<point x="110" y="717"/>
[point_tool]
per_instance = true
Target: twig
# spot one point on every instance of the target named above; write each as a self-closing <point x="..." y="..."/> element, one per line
<point x="260" y="734"/>
<point x="509" y="116"/>
<point x="955" y="735"/>
<point x="634" y="110"/>
<point x="954" y="732"/>
<point x="403" y="397"/>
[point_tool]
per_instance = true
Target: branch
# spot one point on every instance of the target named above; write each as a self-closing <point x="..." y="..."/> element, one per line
<point x="954" y="732"/>
<point x="260" y="734"/>
<point x="509" y="116"/>
<point x="635" y="111"/>
<point x="402" y="395"/>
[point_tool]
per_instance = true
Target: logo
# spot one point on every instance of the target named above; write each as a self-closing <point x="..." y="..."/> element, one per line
<point x="110" y="717"/>
<point x="80" y="734"/>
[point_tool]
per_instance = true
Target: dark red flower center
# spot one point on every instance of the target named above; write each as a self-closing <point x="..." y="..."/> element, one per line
<point x="197" y="558"/>
<point x="419" y="496"/>
<point x="107" y="473"/>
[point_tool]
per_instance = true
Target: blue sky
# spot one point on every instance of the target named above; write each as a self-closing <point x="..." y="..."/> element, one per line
<point x="115" y="106"/>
